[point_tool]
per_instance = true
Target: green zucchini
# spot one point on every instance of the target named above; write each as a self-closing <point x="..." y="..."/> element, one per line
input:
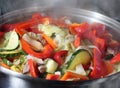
<point x="81" y="56"/>
<point x="7" y="62"/>
<point x="11" y="41"/>
<point x="16" y="52"/>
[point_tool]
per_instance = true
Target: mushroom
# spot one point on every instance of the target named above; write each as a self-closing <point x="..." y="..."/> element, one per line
<point x="31" y="39"/>
<point x="42" y="68"/>
<point x="26" y="68"/>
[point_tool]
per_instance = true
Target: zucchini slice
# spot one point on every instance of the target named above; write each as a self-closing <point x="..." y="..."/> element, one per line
<point x="15" y="52"/>
<point x="12" y="41"/>
<point x="81" y="56"/>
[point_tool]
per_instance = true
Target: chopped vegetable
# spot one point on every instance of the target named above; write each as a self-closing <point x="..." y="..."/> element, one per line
<point x="33" y="68"/>
<point x="60" y="56"/>
<point x="115" y="59"/>
<point x="76" y="28"/>
<point x="71" y="75"/>
<point x="49" y="40"/>
<point x="52" y="77"/>
<point x="7" y="62"/>
<point x="77" y="41"/>
<point x="79" y="57"/>
<point x="80" y="69"/>
<point x="47" y="51"/>
<point x="4" y="65"/>
<point x="59" y="49"/>
<point x="51" y="66"/>
<point x="12" y="42"/>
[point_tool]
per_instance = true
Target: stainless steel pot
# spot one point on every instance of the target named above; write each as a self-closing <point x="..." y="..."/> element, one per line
<point x="76" y="15"/>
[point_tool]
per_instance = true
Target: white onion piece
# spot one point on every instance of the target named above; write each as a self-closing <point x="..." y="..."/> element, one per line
<point x="91" y="66"/>
<point x="93" y="46"/>
<point x="80" y="70"/>
<point x="58" y="73"/>
<point x="38" y="60"/>
<point x="26" y="68"/>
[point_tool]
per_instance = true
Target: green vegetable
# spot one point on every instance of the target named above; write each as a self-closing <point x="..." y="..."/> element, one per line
<point x="7" y="62"/>
<point x="21" y="60"/>
<point x="51" y="66"/>
<point x="81" y="56"/>
<point x="11" y="42"/>
<point x="13" y="53"/>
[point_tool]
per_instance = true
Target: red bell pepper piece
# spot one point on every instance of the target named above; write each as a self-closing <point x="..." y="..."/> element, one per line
<point x="46" y="53"/>
<point x="90" y="34"/>
<point x="86" y="67"/>
<point x="7" y="27"/>
<point x="71" y="75"/>
<point x="115" y="59"/>
<point x="42" y="19"/>
<point x="37" y="16"/>
<point x="60" y="56"/>
<point x="21" y="28"/>
<point x="52" y="77"/>
<point x="77" y="41"/>
<point x="109" y="67"/>
<point x="100" y="28"/>
<point x="100" y="68"/>
<point x="60" y="22"/>
<point x="78" y="28"/>
<point x="1" y="34"/>
<point x="101" y="44"/>
<point x="33" y="68"/>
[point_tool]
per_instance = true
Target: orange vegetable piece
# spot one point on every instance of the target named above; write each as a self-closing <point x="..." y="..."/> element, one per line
<point x="72" y="75"/>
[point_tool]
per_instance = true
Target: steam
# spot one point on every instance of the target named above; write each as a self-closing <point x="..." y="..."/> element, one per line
<point x="106" y="7"/>
<point x="52" y="3"/>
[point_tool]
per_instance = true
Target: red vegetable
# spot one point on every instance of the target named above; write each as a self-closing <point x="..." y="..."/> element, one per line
<point x="115" y="59"/>
<point x="77" y="41"/>
<point x="101" y="44"/>
<point x="37" y="16"/>
<point x="41" y="19"/>
<point x="100" y="68"/>
<point x="60" y="56"/>
<point x="109" y="66"/>
<point x="52" y="77"/>
<point x="33" y="68"/>
<point x="7" y="27"/>
<point x="60" y="22"/>
<point x="86" y="67"/>
<point x="2" y="35"/>
<point x="78" y="28"/>
<point x="21" y="28"/>
<point x="100" y="29"/>
<point x="47" y="52"/>
<point x="72" y="75"/>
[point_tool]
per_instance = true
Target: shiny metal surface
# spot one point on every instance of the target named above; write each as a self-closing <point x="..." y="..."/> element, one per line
<point x="76" y="15"/>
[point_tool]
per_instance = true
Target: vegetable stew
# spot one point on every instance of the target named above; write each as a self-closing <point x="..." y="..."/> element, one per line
<point x="59" y="49"/>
